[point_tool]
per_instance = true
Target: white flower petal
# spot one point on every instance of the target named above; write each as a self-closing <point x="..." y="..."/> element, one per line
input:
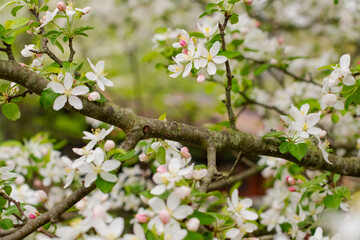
<point x="79" y="90"/>
<point x="182" y="212"/>
<point x="211" y="68"/>
<point x="157" y="204"/>
<point x="90" y="178"/>
<point x="215" y="48"/>
<point x="68" y="81"/>
<point x="91" y="76"/>
<point x="75" y="102"/>
<point x="108" y="177"/>
<point x="110" y="165"/>
<point x="59" y="102"/>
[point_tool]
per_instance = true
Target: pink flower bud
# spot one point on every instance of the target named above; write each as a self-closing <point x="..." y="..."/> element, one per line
<point x="30" y="22"/>
<point x="61" y="6"/>
<point x="299" y="181"/>
<point x="37" y="182"/>
<point x="292" y="189"/>
<point x="183" y="43"/>
<point x="32" y="216"/>
<point x="322" y="133"/>
<point x="143" y="157"/>
<point x="164" y="216"/>
<point x="248" y="2"/>
<point x="201" y="78"/>
<point x="109" y="145"/>
<point x="22" y="64"/>
<point x="185" y="152"/>
<point x="161" y="169"/>
<point x="183" y="191"/>
<point x="257" y="24"/>
<point x="41" y="196"/>
<point x="193" y="224"/>
<point x="280" y="40"/>
<point x="142" y="218"/>
<point x="38" y="55"/>
<point x="273" y="61"/>
<point x="185" y="51"/>
<point x="94" y="96"/>
<point x="290" y="180"/>
<point x="86" y="10"/>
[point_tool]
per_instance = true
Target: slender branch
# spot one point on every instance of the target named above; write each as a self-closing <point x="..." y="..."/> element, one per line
<point x="311" y="80"/>
<point x="50" y="216"/>
<point x="17" y="204"/>
<point x="251" y="101"/>
<point x="47" y="233"/>
<point x="9" y="98"/>
<point x="237" y="161"/>
<point x="229" y="75"/>
<point x="8" y="50"/>
<point x="72" y="50"/>
<point x="243" y="175"/>
<point x="7" y="232"/>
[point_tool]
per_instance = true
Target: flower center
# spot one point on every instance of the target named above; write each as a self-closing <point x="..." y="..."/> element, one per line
<point x="239" y="207"/>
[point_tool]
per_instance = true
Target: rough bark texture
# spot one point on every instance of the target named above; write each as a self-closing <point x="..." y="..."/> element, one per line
<point x="137" y="128"/>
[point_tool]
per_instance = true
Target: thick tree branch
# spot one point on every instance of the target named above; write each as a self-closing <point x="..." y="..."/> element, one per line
<point x="188" y="135"/>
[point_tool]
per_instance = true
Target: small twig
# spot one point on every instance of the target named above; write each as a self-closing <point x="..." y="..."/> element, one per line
<point x="17" y="204"/>
<point x="47" y="233"/>
<point x="238" y="177"/>
<point x="311" y="80"/>
<point x="9" y="98"/>
<point x="8" y="50"/>
<point x="251" y="101"/>
<point x="237" y="161"/>
<point x="211" y="158"/>
<point x="4" y="233"/>
<point x="72" y="50"/>
<point x="228" y="74"/>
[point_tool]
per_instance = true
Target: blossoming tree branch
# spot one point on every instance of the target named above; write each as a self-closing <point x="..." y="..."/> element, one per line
<point x="151" y="175"/>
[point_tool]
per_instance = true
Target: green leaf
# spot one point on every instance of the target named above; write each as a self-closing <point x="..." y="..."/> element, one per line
<point x="234" y="18"/>
<point x="284" y="147"/>
<point x="11" y="111"/>
<point x="8" y="40"/>
<point x="150" y="235"/>
<point x="103" y="185"/>
<point x="204" y="218"/>
<point x="162" y="117"/>
<point x="332" y="201"/>
<point x="230" y="54"/>
<point x="7" y="4"/>
<point x="343" y="192"/>
<point x="209" y="7"/>
<point x="123" y="157"/>
<point x="298" y="150"/>
<point x="330" y="67"/>
<point x="19" y="22"/>
<point x="273" y="134"/>
<point x="161" y="155"/>
<point x="7" y="190"/>
<point x="3" y="202"/>
<point x="6" y="224"/>
<point x="16" y="9"/>
<point x="335" y="118"/>
<point x="336" y="178"/>
<point x="193" y="236"/>
<point x="58" y="44"/>
<point x="47" y="98"/>
<point x="197" y="35"/>
<point x="336" y="2"/>
<point x="259" y="70"/>
<point x="150" y="56"/>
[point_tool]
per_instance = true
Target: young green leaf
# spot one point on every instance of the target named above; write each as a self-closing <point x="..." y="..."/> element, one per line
<point x="161" y="156"/>
<point x="11" y="111"/>
<point x="298" y="150"/>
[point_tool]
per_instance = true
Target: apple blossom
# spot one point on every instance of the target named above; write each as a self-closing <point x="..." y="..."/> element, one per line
<point x="48" y="18"/>
<point x="98" y="75"/>
<point x="209" y="58"/>
<point x="31" y="212"/>
<point x="6" y="174"/>
<point x="143" y="157"/>
<point x="41" y="196"/>
<point x="96" y="136"/>
<point x="190" y="56"/>
<point x="26" y="52"/>
<point x="177" y="68"/>
<point x="184" y="39"/>
<point x="207" y="29"/>
<point x="99" y="167"/>
<point x="139" y="233"/>
<point x="68" y="94"/>
<point x="238" y="209"/>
